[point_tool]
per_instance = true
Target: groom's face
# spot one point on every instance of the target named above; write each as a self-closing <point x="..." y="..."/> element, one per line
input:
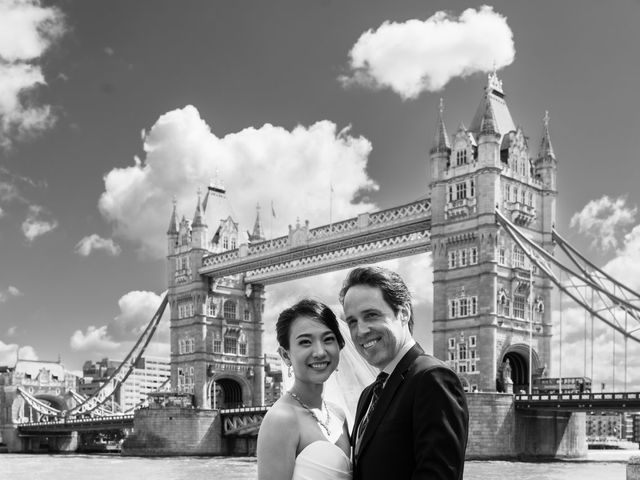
<point x="376" y="330"/>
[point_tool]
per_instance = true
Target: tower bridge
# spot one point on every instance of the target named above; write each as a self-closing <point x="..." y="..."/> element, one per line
<point x="488" y="220"/>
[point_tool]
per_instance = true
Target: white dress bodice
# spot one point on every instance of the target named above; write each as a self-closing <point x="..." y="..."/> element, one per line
<point x="322" y="460"/>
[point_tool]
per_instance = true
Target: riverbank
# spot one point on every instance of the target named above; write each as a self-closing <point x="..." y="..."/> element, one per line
<point x="598" y="465"/>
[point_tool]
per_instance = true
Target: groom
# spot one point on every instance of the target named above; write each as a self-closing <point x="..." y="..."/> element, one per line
<point x="412" y="422"/>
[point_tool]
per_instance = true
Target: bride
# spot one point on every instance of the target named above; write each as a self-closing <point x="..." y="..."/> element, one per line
<point x="303" y="436"/>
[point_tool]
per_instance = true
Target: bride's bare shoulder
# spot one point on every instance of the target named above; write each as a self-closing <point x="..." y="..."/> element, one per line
<point x="281" y="415"/>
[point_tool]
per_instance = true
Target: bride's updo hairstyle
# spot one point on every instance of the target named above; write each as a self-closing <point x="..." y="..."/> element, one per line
<point x="311" y="309"/>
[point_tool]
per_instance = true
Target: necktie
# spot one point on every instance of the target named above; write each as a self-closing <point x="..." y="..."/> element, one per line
<point x="377" y="390"/>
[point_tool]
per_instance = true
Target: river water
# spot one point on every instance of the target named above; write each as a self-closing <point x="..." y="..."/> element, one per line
<point x="599" y="465"/>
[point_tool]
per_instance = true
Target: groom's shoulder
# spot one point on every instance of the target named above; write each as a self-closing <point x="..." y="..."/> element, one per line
<point x="425" y="361"/>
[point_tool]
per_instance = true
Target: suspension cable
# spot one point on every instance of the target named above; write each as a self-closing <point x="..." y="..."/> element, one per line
<point x="560" y="356"/>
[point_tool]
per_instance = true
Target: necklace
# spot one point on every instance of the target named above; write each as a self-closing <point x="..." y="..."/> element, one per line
<point x="324" y="425"/>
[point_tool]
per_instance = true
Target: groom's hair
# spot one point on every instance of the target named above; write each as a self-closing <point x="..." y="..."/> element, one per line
<point x="311" y="309"/>
<point x="394" y="291"/>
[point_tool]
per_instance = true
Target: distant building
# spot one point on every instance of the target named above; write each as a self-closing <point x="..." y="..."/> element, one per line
<point x="618" y="425"/>
<point x="48" y="382"/>
<point x="148" y="375"/>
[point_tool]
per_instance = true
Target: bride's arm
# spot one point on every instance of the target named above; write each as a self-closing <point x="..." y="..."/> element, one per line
<point x="277" y="444"/>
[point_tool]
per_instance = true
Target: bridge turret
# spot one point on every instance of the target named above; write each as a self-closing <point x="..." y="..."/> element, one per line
<point x="198" y="228"/>
<point x="489" y="139"/>
<point x="172" y="232"/>
<point x="256" y="235"/>
<point x="441" y="149"/>
<point x="546" y="165"/>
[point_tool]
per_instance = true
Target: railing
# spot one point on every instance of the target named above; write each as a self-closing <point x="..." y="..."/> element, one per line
<point x="579" y="401"/>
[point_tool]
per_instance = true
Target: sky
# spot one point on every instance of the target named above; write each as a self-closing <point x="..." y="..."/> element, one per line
<point x="109" y="110"/>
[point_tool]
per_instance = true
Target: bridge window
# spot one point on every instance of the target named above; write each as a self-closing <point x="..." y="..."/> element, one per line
<point x="225" y="242"/>
<point x="461" y="190"/>
<point x="217" y="345"/>
<point x="233" y="244"/>
<point x="230" y="310"/>
<point x="503" y="303"/>
<point x="522" y="196"/>
<point x="462" y="351"/>
<point x="211" y="307"/>
<point x="472" y="188"/>
<point x="461" y="157"/>
<point x="451" y="193"/>
<point x="452" y="342"/>
<point x="231" y="345"/>
<point x="185" y="309"/>
<point x="518" y="257"/>
<point x="463" y="307"/>
<point x="247" y="315"/>
<point x="463" y="258"/>
<point x="452" y="258"/>
<point x="530" y="197"/>
<point x="453" y="308"/>
<point x="502" y="256"/>
<point x="242" y="348"/>
<point x="518" y="306"/>
<point x="472" y="342"/>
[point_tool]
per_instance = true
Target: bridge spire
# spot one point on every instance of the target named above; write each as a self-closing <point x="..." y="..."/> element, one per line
<point x="488" y="121"/>
<point x="173" y="222"/>
<point x="546" y="149"/>
<point x="197" y="216"/>
<point x="441" y="141"/>
<point x="257" y="234"/>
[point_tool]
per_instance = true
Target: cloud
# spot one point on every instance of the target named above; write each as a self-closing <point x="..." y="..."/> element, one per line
<point x="37" y="223"/>
<point x="27" y="31"/>
<point x="136" y="311"/>
<point x="95" y="340"/>
<point x="94" y="242"/>
<point x="119" y="336"/>
<point x="625" y="267"/>
<point x="109" y="51"/>
<point x="8" y="353"/>
<point x="266" y="164"/>
<point x="11" y="331"/>
<point x="424" y="55"/>
<point x="10" y="292"/>
<point x="603" y="220"/>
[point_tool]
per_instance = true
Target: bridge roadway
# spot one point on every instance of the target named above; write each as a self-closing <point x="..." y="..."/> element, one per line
<point x="246" y="421"/>
<point x="579" y="402"/>
<point x="235" y="421"/>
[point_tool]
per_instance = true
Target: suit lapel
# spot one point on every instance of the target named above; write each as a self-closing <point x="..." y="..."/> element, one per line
<point x="389" y="391"/>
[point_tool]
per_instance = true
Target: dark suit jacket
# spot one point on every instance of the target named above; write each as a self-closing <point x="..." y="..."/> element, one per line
<point x="419" y="427"/>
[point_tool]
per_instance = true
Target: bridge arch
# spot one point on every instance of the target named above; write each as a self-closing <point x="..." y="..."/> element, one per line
<point x="518" y="358"/>
<point x="228" y="391"/>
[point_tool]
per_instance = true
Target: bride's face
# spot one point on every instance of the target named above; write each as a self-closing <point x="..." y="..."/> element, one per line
<point x="313" y="350"/>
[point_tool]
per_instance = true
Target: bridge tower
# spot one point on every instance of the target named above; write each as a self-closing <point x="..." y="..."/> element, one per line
<point x="216" y="323"/>
<point x="490" y="303"/>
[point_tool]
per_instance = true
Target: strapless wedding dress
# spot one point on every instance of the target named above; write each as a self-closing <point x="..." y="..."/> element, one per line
<point x="322" y="460"/>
